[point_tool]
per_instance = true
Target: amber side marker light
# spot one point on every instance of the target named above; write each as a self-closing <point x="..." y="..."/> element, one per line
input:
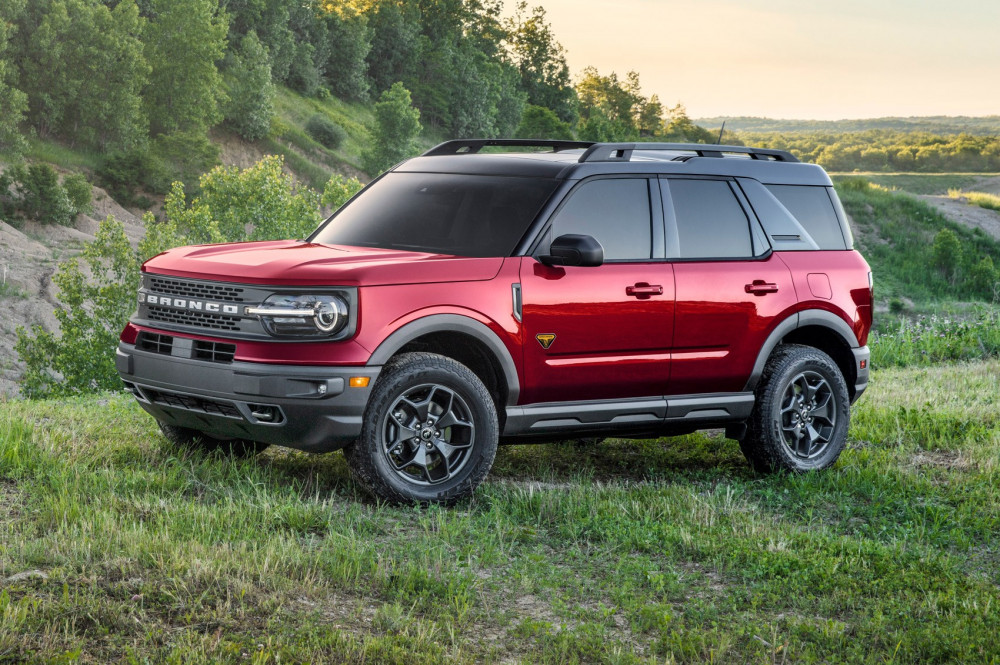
<point x="360" y="381"/>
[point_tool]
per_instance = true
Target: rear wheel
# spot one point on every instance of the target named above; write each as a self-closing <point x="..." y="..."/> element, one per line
<point x="192" y="439"/>
<point x="801" y="413"/>
<point x="429" y="434"/>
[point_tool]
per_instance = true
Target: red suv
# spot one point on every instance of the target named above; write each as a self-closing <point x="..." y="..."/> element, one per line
<point x="471" y="297"/>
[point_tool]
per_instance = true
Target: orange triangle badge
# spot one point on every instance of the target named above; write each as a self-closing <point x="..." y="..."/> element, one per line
<point x="545" y="339"/>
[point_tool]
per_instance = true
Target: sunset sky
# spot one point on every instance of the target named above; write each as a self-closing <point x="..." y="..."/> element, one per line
<point x="793" y="58"/>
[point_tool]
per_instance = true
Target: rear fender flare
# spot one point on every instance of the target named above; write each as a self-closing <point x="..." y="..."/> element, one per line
<point x="809" y="317"/>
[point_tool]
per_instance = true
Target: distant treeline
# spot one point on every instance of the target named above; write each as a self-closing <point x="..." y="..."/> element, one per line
<point x="940" y="124"/>
<point x="881" y="150"/>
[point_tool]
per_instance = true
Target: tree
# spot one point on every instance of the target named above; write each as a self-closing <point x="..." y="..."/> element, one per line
<point x="86" y="66"/>
<point x="183" y="43"/>
<point x="397" y="123"/>
<point x="395" y="44"/>
<point x="539" y="122"/>
<point x="13" y="102"/>
<point x="345" y="70"/>
<point x="250" y="89"/>
<point x="540" y="61"/>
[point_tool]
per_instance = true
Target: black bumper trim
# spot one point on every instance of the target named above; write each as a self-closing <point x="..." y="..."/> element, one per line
<point x="861" y="354"/>
<point x="315" y="409"/>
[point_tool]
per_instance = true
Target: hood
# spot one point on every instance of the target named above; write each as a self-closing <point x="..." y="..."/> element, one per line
<point x="299" y="263"/>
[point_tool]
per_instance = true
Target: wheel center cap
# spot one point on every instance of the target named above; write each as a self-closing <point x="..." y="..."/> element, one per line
<point x="427" y="434"/>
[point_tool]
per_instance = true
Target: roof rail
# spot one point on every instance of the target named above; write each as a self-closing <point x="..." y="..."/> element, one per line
<point x="470" y="146"/>
<point x="622" y="152"/>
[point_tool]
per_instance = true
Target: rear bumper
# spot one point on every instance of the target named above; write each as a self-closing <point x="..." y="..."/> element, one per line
<point x="862" y="356"/>
<point x="308" y="408"/>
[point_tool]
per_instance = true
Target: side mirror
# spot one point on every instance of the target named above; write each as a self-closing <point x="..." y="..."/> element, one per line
<point x="574" y="250"/>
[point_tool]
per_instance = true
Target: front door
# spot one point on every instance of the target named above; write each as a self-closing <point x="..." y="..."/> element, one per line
<point x="601" y="332"/>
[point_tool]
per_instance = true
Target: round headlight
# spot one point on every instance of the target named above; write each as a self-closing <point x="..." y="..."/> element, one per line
<point x="284" y="315"/>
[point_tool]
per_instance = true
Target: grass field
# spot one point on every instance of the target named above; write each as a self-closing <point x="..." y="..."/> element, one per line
<point x="113" y="547"/>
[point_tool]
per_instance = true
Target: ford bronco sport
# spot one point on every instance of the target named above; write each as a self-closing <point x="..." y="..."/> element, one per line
<point x="467" y="298"/>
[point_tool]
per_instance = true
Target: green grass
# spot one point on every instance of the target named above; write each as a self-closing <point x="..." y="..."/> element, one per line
<point x="981" y="199"/>
<point x="928" y="340"/>
<point x="645" y="551"/>
<point x="918" y="183"/>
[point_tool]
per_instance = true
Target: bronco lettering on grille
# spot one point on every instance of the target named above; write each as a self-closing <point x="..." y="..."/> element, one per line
<point x="187" y="303"/>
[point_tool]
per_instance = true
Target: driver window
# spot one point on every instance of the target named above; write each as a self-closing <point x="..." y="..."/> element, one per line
<point x="615" y="211"/>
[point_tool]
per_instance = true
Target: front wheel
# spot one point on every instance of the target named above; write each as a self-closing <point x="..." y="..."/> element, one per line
<point x="430" y="432"/>
<point x="801" y="413"/>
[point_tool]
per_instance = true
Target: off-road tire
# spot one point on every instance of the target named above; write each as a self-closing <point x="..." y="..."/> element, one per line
<point x="191" y="439"/>
<point x="772" y="442"/>
<point x="441" y="387"/>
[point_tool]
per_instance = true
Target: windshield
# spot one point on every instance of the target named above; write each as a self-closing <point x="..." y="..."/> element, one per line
<point x="440" y="213"/>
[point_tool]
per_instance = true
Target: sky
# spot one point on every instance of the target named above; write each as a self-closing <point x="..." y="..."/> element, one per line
<point x="811" y="59"/>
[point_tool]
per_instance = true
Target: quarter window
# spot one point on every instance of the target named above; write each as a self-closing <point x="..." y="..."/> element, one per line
<point x="814" y="209"/>
<point x="615" y="211"/>
<point x="710" y="222"/>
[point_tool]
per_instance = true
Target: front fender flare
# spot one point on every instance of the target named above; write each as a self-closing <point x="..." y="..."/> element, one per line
<point x="452" y="323"/>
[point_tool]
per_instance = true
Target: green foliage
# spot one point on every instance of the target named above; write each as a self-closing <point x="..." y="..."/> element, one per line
<point x="936" y="339"/>
<point x="395" y="53"/>
<point x="250" y="89"/>
<point x="92" y="313"/>
<point x="983" y="277"/>
<point x="184" y="40"/>
<point x="349" y="41"/>
<point x="85" y="71"/>
<point x="539" y="122"/>
<point x="397" y="123"/>
<point x="257" y="203"/>
<point x="325" y="131"/>
<point x="79" y="192"/>
<point x="947" y="253"/>
<point x="13" y="102"/>
<point x="915" y="252"/>
<point x="541" y="62"/>
<point x="41" y="196"/>
<point x="339" y="190"/>
<point x="886" y="150"/>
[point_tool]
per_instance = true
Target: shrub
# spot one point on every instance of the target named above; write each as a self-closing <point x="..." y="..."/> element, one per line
<point x="79" y="192"/>
<point x="983" y="277"/>
<point x="41" y="196"/>
<point x="325" y="131"/>
<point x="947" y="253"/>
<point x="339" y="190"/>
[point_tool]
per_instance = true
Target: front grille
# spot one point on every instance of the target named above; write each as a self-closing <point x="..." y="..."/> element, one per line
<point x="191" y="318"/>
<point x="205" y="290"/>
<point x="155" y="343"/>
<point x="193" y="403"/>
<point x="216" y="352"/>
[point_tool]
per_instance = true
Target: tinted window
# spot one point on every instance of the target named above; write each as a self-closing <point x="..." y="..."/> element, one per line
<point x="462" y="215"/>
<point x="814" y="210"/>
<point x="615" y="211"/>
<point x="710" y="222"/>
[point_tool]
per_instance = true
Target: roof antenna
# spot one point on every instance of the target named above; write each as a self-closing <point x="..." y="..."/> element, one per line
<point x="721" y="129"/>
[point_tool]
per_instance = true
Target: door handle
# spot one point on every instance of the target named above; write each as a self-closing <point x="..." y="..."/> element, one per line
<point x="643" y="290"/>
<point x="760" y="288"/>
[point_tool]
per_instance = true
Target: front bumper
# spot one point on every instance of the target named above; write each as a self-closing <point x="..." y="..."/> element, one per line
<point x="308" y="408"/>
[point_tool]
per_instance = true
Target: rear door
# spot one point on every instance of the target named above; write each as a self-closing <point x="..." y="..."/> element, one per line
<point x="601" y="332"/>
<point x="730" y="289"/>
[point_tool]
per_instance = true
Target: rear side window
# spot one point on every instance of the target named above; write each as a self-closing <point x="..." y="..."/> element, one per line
<point x="814" y="210"/>
<point x="615" y="211"/>
<point x="709" y="220"/>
